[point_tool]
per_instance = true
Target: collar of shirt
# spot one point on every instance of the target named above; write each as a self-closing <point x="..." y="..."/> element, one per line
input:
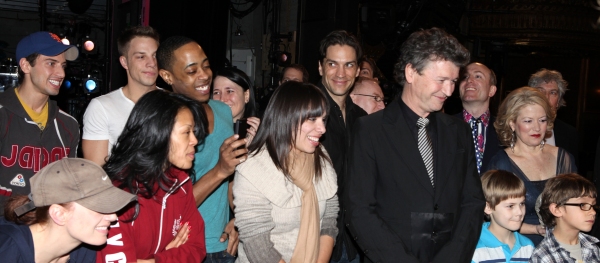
<point x="485" y="117"/>
<point x="589" y="251"/>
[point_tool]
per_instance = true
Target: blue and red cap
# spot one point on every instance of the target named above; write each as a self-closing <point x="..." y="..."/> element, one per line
<point x="47" y="44"/>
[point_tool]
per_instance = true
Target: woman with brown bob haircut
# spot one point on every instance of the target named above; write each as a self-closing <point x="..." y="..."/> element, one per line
<point x="524" y="118"/>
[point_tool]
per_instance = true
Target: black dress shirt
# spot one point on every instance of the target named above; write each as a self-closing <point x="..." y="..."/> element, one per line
<point x="336" y="141"/>
<point x="411" y="120"/>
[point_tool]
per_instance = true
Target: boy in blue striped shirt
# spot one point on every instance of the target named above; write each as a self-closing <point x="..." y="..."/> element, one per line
<point x="505" y="208"/>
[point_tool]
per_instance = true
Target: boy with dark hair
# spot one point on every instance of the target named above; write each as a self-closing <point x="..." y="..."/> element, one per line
<point x="500" y="240"/>
<point x="568" y="208"/>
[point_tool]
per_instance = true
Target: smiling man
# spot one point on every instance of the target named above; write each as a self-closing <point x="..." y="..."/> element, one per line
<point x="106" y="115"/>
<point x="339" y="68"/>
<point x="186" y="68"/>
<point x="477" y="86"/>
<point x="412" y="189"/>
<point x="35" y="132"/>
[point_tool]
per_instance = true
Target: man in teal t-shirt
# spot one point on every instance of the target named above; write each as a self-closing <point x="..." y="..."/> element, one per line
<point x="184" y="65"/>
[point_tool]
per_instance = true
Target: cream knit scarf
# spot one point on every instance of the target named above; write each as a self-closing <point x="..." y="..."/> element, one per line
<point x="307" y="245"/>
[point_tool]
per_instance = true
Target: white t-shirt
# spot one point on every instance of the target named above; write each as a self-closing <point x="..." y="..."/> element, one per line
<point x="105" y="117"/>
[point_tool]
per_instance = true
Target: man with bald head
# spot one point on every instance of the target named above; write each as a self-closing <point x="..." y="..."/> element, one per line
<point x="368" y="95"/>
<point x="477" y="86"/>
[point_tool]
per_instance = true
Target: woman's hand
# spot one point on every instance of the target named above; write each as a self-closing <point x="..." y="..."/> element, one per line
<point x="540" y="230"/>
<point x="232" y="234"/>
<point x="230" y="156"/>
<point x="530" y="229"/>
<point x="182" y="236"/>
<point x="253" y="122"/>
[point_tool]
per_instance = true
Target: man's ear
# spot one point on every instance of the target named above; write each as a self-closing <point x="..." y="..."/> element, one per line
<point x="123" y="61"/>
<point x="320" y="69"/>
<point x="492" y="91"/>
<point x="166" y="76"/>
<point x="488" y="209"/>
<point x="59" y="214"/>
<point x="25" y="66"/>
<point x="555" y="210"/>
<point x="409" y="73"/>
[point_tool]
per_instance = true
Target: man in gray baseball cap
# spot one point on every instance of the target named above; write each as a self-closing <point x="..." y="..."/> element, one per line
<point x="35" y="132"/>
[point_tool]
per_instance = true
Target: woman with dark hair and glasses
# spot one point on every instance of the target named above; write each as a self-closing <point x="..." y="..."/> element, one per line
<point x="285" y="193"/>
<point x="234" y="88"/>
<point x="153" y="158"/>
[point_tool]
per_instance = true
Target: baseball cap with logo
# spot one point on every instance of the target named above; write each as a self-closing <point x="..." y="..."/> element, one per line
<point x="75" y="180"/>
<point x="47" y="44"/>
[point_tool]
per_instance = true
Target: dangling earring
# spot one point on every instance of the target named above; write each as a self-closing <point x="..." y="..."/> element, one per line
<point x="542" y="144"/>
<point x="512" y="141"/>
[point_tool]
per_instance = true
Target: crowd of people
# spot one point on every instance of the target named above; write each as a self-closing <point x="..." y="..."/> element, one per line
<point x="325" y="172"/>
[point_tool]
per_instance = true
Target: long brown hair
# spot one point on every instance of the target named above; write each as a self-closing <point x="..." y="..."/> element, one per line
<point x="291" y="105"/>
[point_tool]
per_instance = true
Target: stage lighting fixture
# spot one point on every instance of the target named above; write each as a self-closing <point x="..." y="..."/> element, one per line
<point x="65" y="41"/>
<point x="70" y="84"/>
<point x="91" y="84"/>
<point x="67" y="84"/>
<point x="281" y="58"/>
<point x="88" y="45"/>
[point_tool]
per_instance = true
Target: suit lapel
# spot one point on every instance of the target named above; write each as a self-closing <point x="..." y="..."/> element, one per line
<point x="446" y="149"/>
<point x="403" y="143"/>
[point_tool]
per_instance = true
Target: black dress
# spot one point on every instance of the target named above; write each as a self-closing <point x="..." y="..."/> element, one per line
<point x="565" y="163"/>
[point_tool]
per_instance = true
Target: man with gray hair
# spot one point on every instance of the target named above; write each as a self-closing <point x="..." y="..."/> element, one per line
<point x="413" y="193"/>
<point x="551" y="83"/>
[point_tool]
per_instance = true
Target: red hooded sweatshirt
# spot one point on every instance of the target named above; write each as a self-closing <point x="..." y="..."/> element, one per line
<point x="158" y="221"/>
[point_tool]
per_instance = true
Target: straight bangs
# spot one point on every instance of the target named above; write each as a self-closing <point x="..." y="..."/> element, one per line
<point x="316" y="107"/>
<point x="499" y="185"/>
<point x="292" y="104"/>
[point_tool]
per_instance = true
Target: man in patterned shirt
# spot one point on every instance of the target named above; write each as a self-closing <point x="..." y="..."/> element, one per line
<point x="477" y="86"/>
<point x="568" y="208"/>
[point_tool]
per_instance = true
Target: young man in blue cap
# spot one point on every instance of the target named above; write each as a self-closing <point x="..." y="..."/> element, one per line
<point x="35" y="132"/>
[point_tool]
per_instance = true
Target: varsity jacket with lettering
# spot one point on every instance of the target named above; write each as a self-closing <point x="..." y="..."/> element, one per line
<point x="157" y="223"/>
<point x="25" y="149"/>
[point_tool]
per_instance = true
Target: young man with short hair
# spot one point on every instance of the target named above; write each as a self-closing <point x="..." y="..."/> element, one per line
<point x="476" y="88"/>
<point x="568" y="208"/>
<point x="500" y="240"/>
<point x="106" y="115"/>
<point x="35" y="132"/>
<point x="338" y="67"/>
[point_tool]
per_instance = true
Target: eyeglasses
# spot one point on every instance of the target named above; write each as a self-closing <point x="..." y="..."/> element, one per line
<point x="584" y="206"/>
<point x="377" y="98"/>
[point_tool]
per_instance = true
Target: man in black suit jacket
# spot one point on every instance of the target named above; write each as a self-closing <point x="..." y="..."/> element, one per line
<point x="552" y="84"/>
<point x="395" y="213"/>
<point x="477" y="86"/>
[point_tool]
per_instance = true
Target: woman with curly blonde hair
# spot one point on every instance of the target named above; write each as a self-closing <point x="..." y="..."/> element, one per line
<point x="524" y="118"/>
